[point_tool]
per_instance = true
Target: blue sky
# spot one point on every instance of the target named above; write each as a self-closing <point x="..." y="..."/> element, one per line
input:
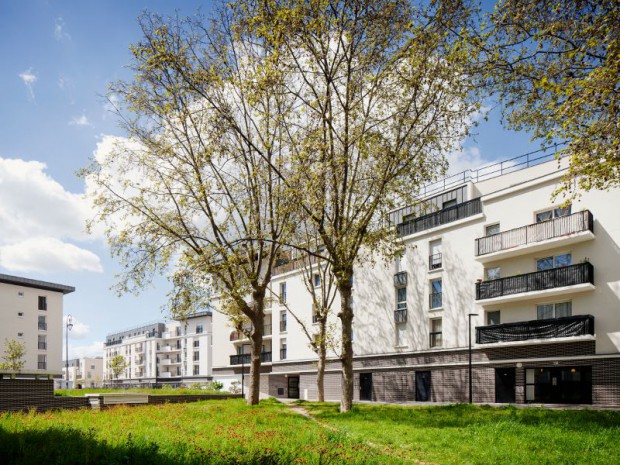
<point x="57" y="60"/>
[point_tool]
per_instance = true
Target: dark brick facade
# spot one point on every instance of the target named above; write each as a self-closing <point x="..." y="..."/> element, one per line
<point x="29" y="394"/>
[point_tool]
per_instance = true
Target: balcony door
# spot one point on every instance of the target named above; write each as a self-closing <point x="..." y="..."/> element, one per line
<point x="505" y="381"/>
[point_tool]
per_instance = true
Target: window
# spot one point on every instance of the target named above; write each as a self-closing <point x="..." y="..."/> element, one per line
<point x="42" y="362"/>
<point x="554" y="310"/>
<point x="198" y="329"/>
<point x="435" y="334"/>
<point x="92" y="367"/>
<point x="552" y="213"/>
<point x="558" y="261"/>
<point x="20" y="335"/>
<point x="20" y="294"/>
<point x="283" y="321"/>
<point x="448" y="204"/>
<point x="491" y="229"/>
<point x="196" y="370"/>
<point x="178" y="331"/>
<point x="283" y="293"/>
<point x="436" y="294"/>
<point x="399" y="264"/>
<point x="493" y="318"/>
<point x="283" y="350"/>
<point x="315" y="315"/>
<point x="401" y="298"/>
<point x="42" y="302"/>
<point x="316" y="279"/>
<point x="20" y="314"/>
<point x="42" y="342"/>
<point x="43" y="322"/>
<point x="196" y="343"/>
<point x="196" y="356"/>
<point x="401" y="336"/>
<point x="434" y="258"/>
<point x="493" y="273"/>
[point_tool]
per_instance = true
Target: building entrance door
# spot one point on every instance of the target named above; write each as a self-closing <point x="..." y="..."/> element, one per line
<point x="559" y="385"/>
<point x="365" y="386"/>
<point x="293" y="387"/>
<point x="505" y="381"/>
<point x="422" y="386"/>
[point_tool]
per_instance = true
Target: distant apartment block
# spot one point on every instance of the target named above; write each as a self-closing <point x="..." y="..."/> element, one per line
<point x="31" y="312"/>
<point x="85" y="372"/>
<point x="178" y="352"/>
<point x="533" y="283"/>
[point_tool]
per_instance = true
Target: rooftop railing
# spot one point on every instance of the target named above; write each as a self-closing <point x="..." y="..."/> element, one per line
<point x="537" y="232"/>
<point x="440" y="217"/>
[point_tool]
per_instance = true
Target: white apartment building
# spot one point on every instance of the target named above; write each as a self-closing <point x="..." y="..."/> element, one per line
<point x="31" y="312"/>
<point x="535" y="285"/>
<point x="85" y="372"/>
<point x="178" y="352"/>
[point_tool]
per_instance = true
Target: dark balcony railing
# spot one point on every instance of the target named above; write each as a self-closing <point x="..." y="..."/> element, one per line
<point x="537" y="281"/>
<point x="42" y="365"/>
<point x="434" y="261"/>
<point x="435" y="300"/>
<point x="537" y="232"/>
<point x="282" y="354"/>
<point x="400" y="279"/>
<point x="43" y="326"/>
<point x="282" y="326"/>
<point x="447" y="215"/>
<point x="247" y="358"/>
<point x="400" y="315"/>
<point x="42" y="345"/>
<point x="436" y="339"/>
<point x="568" y="326"/>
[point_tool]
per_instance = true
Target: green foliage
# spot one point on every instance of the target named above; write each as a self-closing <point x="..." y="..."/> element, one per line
<point x="117" y="364"/>
<point x="556" y="66"/>
<point x="14" y="353"/>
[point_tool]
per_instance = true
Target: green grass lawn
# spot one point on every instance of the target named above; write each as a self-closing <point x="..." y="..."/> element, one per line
<point x="229" y="432"/>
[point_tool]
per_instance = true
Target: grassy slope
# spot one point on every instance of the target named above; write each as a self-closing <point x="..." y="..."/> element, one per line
<point x="464" y="434"/>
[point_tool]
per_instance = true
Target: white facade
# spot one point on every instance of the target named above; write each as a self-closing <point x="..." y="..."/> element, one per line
<point x="31" y="312"/>
<point x="175" y="352"/>
<point x="412" y="316"/>
<point x="85" y="372"/>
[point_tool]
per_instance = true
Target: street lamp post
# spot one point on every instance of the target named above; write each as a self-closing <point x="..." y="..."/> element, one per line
<point x="68" y="326"/>
<point x="242" y="371"/>
<point x="470" y="374"/>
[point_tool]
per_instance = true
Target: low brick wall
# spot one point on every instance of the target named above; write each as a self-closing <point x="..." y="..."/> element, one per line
<point x="28" y="394"/>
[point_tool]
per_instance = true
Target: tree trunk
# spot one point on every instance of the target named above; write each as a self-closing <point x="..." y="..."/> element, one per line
<point x="346" y="357"/>
<point x="320" y="374"/>
<point x="256" y="339"/>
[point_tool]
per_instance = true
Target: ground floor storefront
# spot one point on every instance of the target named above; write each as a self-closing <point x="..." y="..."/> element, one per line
<point x="549" y="373"/>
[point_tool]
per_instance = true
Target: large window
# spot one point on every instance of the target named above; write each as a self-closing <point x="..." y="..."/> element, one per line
<point x="554" y="310"/>
<point x="42" y="342"/>
<point x="493" y="273"/>
<point x="547" y="215"/>
<point x="401" y="298"/>
<point x="196" y="356"/>
<point x="42" y="362"/>
<point x="557" y="261"/>
<point x="283" y="349"/>
<point x="436" y="300"/>
<point x="283" y="293"/>
<point x="493" y="318"/>
<point x="435" y="338"/>
<point x="196" y="370"/>
<point x="199" y="329"/>
<point x="283" y="321"/>
<point x="42" y="323"/>
<point x="42" y="302"/>
<point x="491" y="229"/>
<point x="435" y="257"/>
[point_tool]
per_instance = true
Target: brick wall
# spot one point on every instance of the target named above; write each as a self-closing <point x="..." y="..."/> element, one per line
<point x="27" y="394"/>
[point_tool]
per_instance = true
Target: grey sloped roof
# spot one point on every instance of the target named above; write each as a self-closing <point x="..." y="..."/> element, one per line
<point x="34" y="283"/>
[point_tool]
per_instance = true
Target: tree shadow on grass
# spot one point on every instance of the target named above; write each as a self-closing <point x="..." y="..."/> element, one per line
<point x="66" y="446"/>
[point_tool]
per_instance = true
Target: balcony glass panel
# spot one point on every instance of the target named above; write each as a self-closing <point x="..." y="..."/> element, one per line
<point x="578" y="325"/>
<point x="581" y="273"/>
<point x="537" y="232"/>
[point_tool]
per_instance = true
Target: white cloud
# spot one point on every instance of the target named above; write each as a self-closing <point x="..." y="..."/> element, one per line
<point x="38" y="218"/>
<point x="79" y="330"/>
<point x="81" y="120"/>
<point x="29" y="78"/>
<point x="47" y="253"/>
<point x="59" y="30"/>
<point x="94" y="349"/>
<point x="466" y="159"/>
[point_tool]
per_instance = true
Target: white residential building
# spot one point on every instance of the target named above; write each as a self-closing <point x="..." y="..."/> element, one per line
<point x="85" y="372"/>
<point x="536" y="286"/>
<point x="31" y="312"/>
<point x="178" y="352"/>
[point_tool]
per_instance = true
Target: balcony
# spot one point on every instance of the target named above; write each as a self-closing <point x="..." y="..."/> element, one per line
<point x="565" y="230"/>
<point x="400" y="279"/>
<point x="568" y="326"/>
<point x="400" y="315"/>
<point x="247" y="358"/>
<point x="169" y="349"/>
<point x="441" y="217"/>
<point x="556" y="281"/>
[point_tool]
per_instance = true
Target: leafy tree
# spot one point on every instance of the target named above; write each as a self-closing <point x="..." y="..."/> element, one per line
<point x="117" y="364"/>
<point x="14" y="353"/>
<point x="556" y="66"/>
<point x="381" y="95"/>
<point x="192" y="192"/>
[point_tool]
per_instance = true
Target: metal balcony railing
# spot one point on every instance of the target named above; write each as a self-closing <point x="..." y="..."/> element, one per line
<point x="43" y="326"/>
<point x="42" y="365"/>
<point x="537" y="281"/>
<point x="400" y="315"/>
<point x="434" y="261"/>
<point x="537" y="232"/>
<point x="436" y="339"/>
<point x="282" y="326"/>
<point x="42" y="345"/>
<point x="578" y="325"/>
<point x="247" y="358"/>
<point x="438" y="218"/>
<point x="400" y="279"/>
